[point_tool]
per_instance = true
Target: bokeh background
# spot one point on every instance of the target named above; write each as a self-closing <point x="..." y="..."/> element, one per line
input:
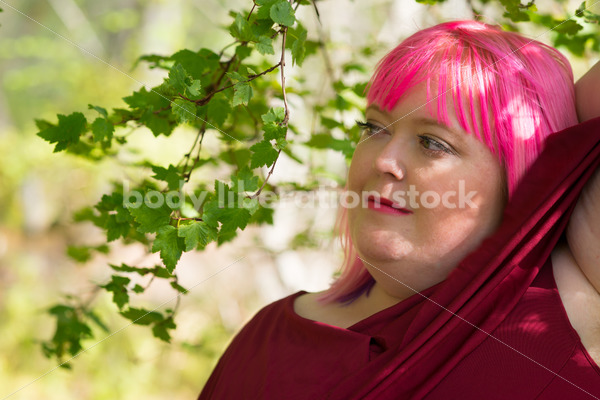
<point x="85" y="54"/>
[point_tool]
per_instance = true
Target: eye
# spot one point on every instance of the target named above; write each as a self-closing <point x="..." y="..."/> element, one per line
<point x="434" y="146"/>
<point x="368" y="128"/>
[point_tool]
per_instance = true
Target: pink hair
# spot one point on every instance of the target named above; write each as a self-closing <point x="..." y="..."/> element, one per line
<point x="510" y="91"/>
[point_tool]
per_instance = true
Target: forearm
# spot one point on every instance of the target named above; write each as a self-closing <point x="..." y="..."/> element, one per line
<point x="587" y="94"/>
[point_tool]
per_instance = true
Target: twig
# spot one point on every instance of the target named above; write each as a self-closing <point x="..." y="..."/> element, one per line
<point x="209" y="96"/>
<point x="282" y="65"/>
<point x="255" y="195"/>
<point x="188" y="174"/>
<point x="188" y="219"/>
<point x="251" y="10"/>
<point x="286" y="117"/>
<point x="314" y="2"/>
<point x="188" y="155"/>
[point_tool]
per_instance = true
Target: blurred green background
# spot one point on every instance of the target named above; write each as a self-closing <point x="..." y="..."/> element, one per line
<point x="42" y="74"/>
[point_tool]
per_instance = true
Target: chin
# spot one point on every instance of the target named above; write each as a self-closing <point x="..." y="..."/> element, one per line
<point x="383" y="251"/>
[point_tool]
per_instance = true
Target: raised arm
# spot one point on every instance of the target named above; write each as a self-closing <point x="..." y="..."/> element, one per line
<point x="583" y="231"/>
<point x="587" y="94"/>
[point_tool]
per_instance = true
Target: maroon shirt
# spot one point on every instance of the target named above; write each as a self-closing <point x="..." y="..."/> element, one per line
<point x="281" y="355"/>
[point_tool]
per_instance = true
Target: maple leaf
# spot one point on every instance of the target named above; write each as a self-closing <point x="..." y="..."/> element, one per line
<point x="66" y="133"/>
<point x="170" y="246"/>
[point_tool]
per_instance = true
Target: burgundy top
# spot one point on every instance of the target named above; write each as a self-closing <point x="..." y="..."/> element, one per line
<point x="495" y="328"/>
<point x="281" y="355"/>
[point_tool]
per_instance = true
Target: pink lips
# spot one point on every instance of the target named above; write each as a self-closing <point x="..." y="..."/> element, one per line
<point x="386" y="206"/>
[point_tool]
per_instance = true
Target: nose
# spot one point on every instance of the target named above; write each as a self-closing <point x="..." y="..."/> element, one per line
<point x="390" y="160"/>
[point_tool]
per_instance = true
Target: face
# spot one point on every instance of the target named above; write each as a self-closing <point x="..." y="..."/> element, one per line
<point x="435" y="192"/>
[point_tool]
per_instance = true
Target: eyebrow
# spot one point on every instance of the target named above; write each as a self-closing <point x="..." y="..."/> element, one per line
<point x="433" y="122"/>
<point x="427" y="121"/>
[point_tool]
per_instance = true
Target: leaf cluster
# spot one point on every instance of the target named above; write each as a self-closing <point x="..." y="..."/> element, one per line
<point x="237" y="95"/>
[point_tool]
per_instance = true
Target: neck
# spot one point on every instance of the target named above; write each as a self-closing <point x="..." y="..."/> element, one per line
<point x="375" y="301"/>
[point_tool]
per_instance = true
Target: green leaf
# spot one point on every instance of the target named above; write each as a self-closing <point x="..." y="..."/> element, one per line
<point x="101" y="111"/>
<point x="177" y="78"/>
<point x="127" y="268"/>
<point x="140" y="316"/>
<point x="251" y="205"/>
<point x="184" y="110"/>
<point x="67" y="132"/>
<point x="263" y="154"/>
<point x="161" y="272"/>
<point x="118" y="287"/>
<point x="196" y="63"/>
<point x="226" y="236"/>
<point x="273" y="131"/>
<point x="243" y="51"/>
<point x="156" y="124"/>
<point x="149" y="217"/>
<point x="265" y="45"/>
<point x="154" y="61"/>
<point x="178" y="287"/>
<point x="282" y="13"/>
<point x="195" y="88"/>
<point x="264" y="215"/>
<point x="171" y="176"/>
<point x="226" y="207"/>
<point x="170" y="246"/>
<point x="324" y="141"/>
<point x="94" y="317"/>
<point x="575" y="44"/>
<point x="70" y="330"/>
<point x="115" y="229"/>
<point x="274" y="115"/>
<point x="298" y="48"/>
<point x="235" y="76"/>
<point x="514" y="10"/>
<point x="79" y="253"/>
<point x="568" y="27"/>
<point x="241" y="29"/>
<point x="114" y="217"/>
<point x="244" y="181"/>
<point x="157" y="270"/>
<point x="234" y="218"/>
<point x="264" y="9"/>
<point x="197" y="234"/>
<point x="242" y="93"/>
<point x="331" y="123"/>
<point x="587" y="15"/>
<point x="161" y="329"/>
<point x="218" y="110"/>
<point x="281" y="144"/>
<point x="102" y="129"/>
<point x="144" y="99"/>
<point x="138" y="289"/>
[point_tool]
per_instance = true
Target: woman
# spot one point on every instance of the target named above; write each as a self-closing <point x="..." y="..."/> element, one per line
<point x="457" y="282"/>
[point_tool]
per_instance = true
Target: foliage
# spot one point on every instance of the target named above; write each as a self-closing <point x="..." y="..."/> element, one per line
<point x="238" y="95"/>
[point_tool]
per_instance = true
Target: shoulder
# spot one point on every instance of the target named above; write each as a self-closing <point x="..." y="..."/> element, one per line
<point x="275" y="311"/>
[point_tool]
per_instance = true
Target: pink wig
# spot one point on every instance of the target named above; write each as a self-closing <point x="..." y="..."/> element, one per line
<point x="509" y="91"/>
